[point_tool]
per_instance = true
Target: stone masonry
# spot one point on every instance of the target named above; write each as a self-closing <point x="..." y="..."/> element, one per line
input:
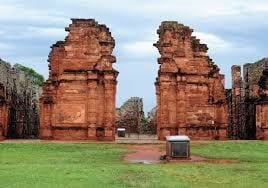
<point x="18" y="103"/>
<point x="189" y="87"/>
<point x="248" y="112"/>
<point x="78" y="101"/>
<point x="130" y="115"/>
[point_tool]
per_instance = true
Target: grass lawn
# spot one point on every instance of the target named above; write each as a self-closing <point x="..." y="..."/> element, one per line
<point x="100" y="165"/>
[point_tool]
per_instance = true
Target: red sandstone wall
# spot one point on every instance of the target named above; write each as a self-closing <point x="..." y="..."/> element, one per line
<point x="189" y="87"/>
<point x="3" y="121"/>
<point x="3" y="113"/>
<point x="79" y="97"/>
<point x="262" y="121"/>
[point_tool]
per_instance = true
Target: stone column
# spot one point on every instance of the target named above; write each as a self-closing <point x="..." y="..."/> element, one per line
<point x="164" y="124"/>
<point x="172" y="115"/>
<point x="236" y="104"/>
<point x="158" y="106"/>
<point x="92" y="108"/>
<point x="109" y="124"/>
<point x="45" y="120"/>
<point x="181" y="105"/>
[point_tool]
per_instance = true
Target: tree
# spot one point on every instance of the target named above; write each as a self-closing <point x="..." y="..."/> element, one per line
<point x="37" y="78"/>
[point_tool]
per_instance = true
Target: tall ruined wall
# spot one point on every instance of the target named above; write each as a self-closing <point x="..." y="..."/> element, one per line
<point x="130" y="115"/>
<point x="249" y="101"/>
<point x="261" y="110"/>
<point x="252" y="73"/>
<point x="255" y="102"/>
<point x="18" y="110"/>
<point x="189" y="87"/>
<point x="236" y="128"/>
<point x="78" y="100"/>
<point x="262" y="120"/>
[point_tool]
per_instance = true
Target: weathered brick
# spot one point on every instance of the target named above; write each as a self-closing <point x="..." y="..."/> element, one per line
<point x="189" y="87"/>
<point x="78" y="101"/>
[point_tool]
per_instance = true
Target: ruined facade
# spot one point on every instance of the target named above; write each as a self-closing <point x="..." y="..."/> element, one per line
<point x="189" y="87"/>
<point x="130" y="115"/>
<point x="248" y="109"/>
<point x="18" y="103"/>
<point x="151" y="121"/>
<point x="78" y="101"/>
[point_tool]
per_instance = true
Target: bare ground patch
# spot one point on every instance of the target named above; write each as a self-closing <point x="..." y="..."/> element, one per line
<point x="151" y="153"/>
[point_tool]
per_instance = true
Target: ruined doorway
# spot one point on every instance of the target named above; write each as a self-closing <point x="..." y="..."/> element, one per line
<point x="100" y="133"/>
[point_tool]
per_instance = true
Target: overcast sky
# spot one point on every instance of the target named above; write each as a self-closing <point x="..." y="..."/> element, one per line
<point x="234" y="30"/>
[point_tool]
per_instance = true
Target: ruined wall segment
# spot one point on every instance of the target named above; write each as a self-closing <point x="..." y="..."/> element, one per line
<point x="261" y="112"/>
<point x="252" y="73"/>
<point x="130" y="115"/>
<point x="236" y="128"/>
<point x="78" y="102"/>
<point x="18" y="103"/>
<point x="249" y="101"/>
<point x="189" y="87"/>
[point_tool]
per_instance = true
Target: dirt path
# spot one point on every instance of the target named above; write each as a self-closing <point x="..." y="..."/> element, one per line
<point x="144" y="153"/>
<point x="151" y="153"/>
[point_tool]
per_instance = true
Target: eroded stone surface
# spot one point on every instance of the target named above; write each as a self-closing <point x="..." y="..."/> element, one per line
<point x="130" y="115"/>
<point x="78" y="102"/>
<point x="18" y="103"/>
<point x="248" y="112"/>
<point x="151" y="121"/>
<point x="189" y="87"/>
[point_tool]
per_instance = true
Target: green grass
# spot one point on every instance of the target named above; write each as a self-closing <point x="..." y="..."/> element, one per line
<point x="100" y="165"/>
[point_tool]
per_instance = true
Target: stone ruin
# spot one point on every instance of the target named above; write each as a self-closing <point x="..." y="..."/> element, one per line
<point x="151" y="121"/>
<point x="190" y="90"/>
<point x="130" y="115"/>
<point x="78" y="100"/>
<point x="248" y="101"/>
<point x="18" y="103"/>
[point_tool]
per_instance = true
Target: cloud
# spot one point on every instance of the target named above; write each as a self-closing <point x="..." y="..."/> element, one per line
<point x="45" y="32"/>
<point x="21" y="14"/>
<point x="6" y="9"/>
<point x="217" y="44"/>
<point x="139" y="48"/>
<point x="148" y="8"/>
<point x="256" y="7"/>
<point x="214" y="42"/>
<point x="4" y="46"/>
<point x="29" y="33"/>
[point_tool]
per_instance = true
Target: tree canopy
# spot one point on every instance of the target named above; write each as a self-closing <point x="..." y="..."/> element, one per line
<point x="37" y="78"/>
